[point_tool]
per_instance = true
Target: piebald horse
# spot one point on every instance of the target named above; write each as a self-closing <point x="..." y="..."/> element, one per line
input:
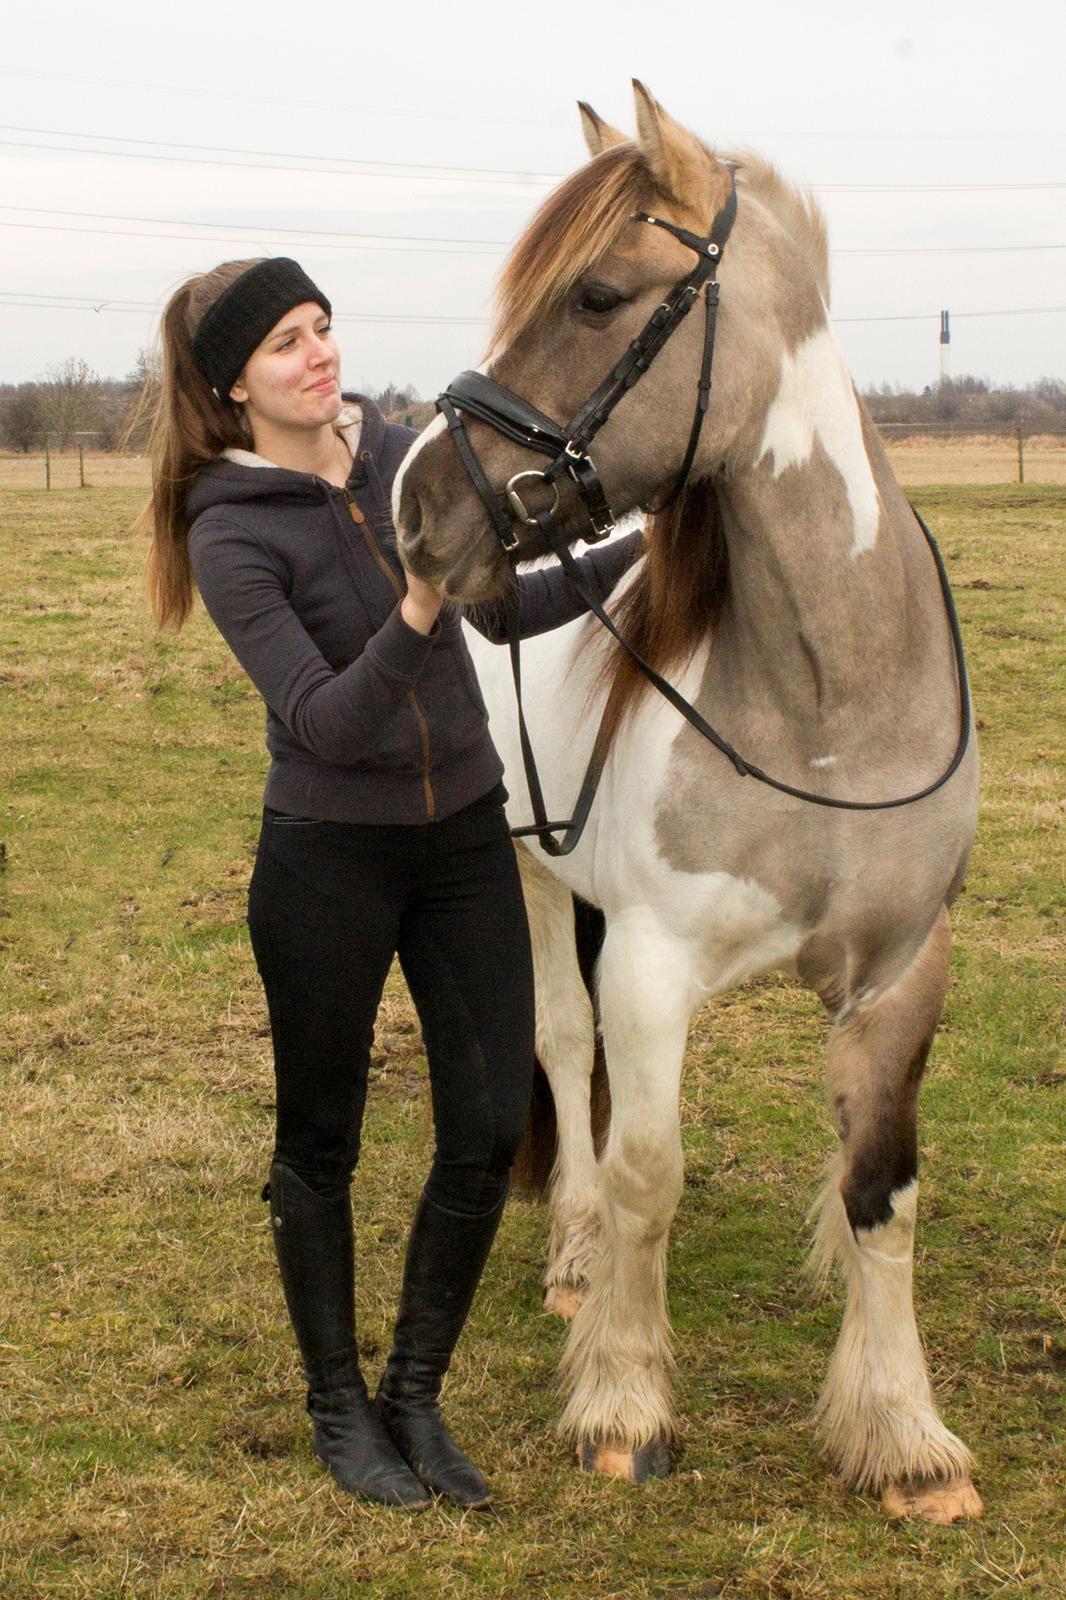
<point x="792" y="598"/>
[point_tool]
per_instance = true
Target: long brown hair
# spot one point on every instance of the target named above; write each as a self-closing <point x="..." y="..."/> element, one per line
<point x="676" y="596"/>
<point x="189" y="426"/>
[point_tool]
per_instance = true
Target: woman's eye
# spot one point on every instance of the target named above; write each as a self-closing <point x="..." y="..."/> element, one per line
<point x="597" y="297"/>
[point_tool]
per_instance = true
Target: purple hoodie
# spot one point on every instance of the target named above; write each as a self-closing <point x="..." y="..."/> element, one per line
<point x="367" y="719"/>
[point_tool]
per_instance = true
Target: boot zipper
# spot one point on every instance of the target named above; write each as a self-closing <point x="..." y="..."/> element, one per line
<point x="420" y="716"/>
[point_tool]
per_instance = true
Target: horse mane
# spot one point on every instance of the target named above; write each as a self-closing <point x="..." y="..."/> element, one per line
<point x="793" y="207"/>
<point x="677" y="595"/>
<point x="673" y="600"/>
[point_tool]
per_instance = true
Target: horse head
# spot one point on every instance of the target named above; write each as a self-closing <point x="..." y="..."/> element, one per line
<point x="579" y="287"/>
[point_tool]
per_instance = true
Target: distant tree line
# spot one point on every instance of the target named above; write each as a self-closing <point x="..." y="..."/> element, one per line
<point x="973" y="405"/>
<point x="72" y="404"/>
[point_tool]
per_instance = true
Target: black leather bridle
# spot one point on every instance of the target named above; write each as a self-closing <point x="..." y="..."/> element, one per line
<point x="481" y="397"/>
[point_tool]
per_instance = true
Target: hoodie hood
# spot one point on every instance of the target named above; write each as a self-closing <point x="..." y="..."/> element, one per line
<point x="240" y="476"/>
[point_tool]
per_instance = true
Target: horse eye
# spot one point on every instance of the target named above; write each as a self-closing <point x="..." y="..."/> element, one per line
<point x="599" y="298"/>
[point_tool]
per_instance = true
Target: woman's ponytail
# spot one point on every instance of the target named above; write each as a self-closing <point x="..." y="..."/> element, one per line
<point x="189" y="426"/>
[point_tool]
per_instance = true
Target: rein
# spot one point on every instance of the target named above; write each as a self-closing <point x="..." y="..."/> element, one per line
<point x="481" y="397"/>
<point x="744" y="768"/>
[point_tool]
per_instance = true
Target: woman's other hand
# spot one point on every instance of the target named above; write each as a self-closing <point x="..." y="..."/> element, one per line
<point x="421" y="604"/>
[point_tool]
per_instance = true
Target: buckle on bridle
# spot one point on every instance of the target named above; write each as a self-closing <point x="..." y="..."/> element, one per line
<point x="506" y="534"/>
<point x="603" y="523"/>
<point x="518" y="505"/>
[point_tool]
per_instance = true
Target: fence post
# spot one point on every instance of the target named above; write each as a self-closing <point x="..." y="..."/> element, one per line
<point x="47" y="466"/>
<point x="81" y="464"/>
<point x="1021" y="456"/>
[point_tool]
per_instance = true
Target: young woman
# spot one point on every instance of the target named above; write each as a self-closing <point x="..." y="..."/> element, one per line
<point x="383" y="833"/>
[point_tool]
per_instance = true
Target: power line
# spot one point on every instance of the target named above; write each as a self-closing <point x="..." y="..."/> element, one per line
<point x="28" y="300"/>
<point x="266" y="227"/>
<point x="429" y="171"/>
<point x="941" y="249"/>
<point x="325" y="237"/>
<point x="403" y="169"/>
<point x="231" y="238"/>
<point x="930" y="188"/>
<point x="260" y="166"/>
<point x="229" y="96"/>
<point x="922" y="316"/>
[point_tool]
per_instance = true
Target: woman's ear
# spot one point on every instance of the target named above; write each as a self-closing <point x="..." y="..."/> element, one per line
<point x="238" y="391"/>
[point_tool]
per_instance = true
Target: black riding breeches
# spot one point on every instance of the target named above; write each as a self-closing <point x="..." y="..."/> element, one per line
<point x="329" y="905"/>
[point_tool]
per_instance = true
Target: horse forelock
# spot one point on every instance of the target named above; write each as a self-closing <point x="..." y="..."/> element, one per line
<point x="578" y="223"/>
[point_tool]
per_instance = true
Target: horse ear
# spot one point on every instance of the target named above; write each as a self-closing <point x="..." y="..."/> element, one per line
<point x="679" y="163"/>
<point x="599" y="135"/>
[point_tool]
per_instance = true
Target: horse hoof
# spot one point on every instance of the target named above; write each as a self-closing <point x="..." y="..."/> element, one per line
<point x="563" y="1300"/>
<point x="935" y="1502"/>
<point x="617" y="1461"/>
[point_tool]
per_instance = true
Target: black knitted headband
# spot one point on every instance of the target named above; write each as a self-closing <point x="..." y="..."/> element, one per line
<point x="242" y="316"/>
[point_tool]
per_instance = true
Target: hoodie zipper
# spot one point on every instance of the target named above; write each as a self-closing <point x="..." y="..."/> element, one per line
<point x="398" y="589"/>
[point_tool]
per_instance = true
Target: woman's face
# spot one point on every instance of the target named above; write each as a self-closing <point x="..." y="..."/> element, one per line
<point x="292" y="380"/>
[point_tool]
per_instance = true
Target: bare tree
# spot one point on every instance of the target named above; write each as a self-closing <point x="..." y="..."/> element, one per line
<point x="20" y="418"/>
<point x="141" y="389"/>
<point x="69" y="392"/>
<point x="392" y="398"/>
<point x="971" y="404"/>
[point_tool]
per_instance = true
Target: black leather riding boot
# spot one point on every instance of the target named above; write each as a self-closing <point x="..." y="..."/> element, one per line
<point x="446" y="1255"/>
<point x="313" y="1239"/>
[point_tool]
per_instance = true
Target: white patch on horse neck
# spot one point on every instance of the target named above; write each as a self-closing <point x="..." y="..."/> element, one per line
<point x="822" y="761"/>
<point x="816" y="400"/>
<point x="434" y="428"/>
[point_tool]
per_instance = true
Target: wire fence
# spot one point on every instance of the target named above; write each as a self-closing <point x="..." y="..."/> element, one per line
<point x="920" y="453"/>
<point x="78" y="468"/>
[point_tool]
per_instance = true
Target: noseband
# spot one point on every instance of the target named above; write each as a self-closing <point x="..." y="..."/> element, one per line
<point x="478" y="396"/>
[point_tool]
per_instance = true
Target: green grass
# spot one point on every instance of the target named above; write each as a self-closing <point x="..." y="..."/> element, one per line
<point x="153" y="1442"/>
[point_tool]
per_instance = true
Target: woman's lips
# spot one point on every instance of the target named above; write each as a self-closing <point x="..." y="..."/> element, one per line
<point x="326" y="383"/>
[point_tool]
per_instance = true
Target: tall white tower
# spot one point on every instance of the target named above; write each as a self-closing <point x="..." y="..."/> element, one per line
<point x="945" y="348"/>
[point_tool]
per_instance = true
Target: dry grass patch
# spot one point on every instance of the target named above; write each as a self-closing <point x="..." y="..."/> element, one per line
<point x="982" y="459"/>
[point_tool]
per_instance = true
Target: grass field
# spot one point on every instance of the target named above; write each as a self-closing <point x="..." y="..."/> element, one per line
<point x="153" y="1442"/>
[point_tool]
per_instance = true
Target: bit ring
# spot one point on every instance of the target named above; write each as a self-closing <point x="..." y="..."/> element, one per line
<point x="517" y="504"/>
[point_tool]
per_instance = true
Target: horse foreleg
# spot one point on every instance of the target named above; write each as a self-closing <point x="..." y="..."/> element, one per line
<point x="565" y="1046"/>
<point x="617" y="1361"/>
<point x="877" y="1412"/>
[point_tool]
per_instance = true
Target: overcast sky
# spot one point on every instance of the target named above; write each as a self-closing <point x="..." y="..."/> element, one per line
<point x="956" y="110"/>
